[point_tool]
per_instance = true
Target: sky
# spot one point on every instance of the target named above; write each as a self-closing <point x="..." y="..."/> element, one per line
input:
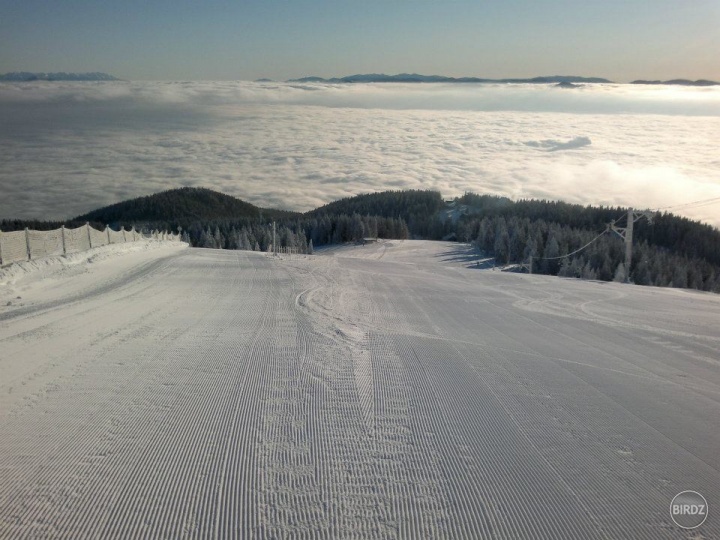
<point x="162" y="40"/>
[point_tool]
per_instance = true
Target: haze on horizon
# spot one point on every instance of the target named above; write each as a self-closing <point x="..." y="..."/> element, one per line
<point x="185" y="40"/>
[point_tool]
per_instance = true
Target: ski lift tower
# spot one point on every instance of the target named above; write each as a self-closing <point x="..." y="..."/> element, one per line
<point x="626" y="233"/>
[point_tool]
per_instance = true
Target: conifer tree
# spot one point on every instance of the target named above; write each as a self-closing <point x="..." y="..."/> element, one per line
<point x="620" y="273"/>
<point x="218" y="239"/>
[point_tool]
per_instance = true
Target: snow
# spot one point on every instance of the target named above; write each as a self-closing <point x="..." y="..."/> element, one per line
<point x="39" y="277"/>
<point x="391" y="390"/>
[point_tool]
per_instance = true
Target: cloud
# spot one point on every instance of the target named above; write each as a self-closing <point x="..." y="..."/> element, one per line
<point x="71" y="147"/>
<point x="600" y="99"/>
<point x="551" y="145"/>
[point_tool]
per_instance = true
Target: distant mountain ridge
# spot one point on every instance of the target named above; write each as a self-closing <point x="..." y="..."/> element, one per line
<point x="417" y="78"/>
<point x="681" y="82"/>
<point x="565" y="80"/>
<point x="26" y="76"/>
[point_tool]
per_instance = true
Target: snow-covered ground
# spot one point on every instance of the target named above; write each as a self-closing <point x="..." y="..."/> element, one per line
<point x="48" y="278"/>
<point x="379" y="391"/>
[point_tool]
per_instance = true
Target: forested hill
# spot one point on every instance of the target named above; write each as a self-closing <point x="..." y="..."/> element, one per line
<point x="179" y="207"/>
<point x="676" y="234"/>
<point x="387" y="204"/>
<point x="418" y="208"/>
<point x="563" y="239"/>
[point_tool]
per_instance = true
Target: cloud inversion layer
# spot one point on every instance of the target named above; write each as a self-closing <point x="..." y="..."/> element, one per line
<point x="70" y="147"/>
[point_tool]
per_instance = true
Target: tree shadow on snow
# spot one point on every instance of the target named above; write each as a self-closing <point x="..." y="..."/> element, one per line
<point x="467" y="255"/>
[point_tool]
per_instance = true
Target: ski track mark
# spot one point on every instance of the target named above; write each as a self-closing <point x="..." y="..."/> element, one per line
<point x="237" y="395"/>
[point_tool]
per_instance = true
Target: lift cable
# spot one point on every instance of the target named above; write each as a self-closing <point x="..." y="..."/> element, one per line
<point x="684" y="205"/>
<point x="572" y="252"/>
<point x="611" y="227"/>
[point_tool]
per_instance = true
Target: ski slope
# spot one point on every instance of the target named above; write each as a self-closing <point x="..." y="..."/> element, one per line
<point x="382" y="391"/>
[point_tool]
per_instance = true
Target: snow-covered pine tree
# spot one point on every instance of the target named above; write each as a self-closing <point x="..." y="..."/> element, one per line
<point x="244" y="241"/>
<point x="565" y="268"/>
<point x="501" y="246"/>
<point x="218" y="238"/>
<point x="206" y="239"/>
<point x="620" y="273"/>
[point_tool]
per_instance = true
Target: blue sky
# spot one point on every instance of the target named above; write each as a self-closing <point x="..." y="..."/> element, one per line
<point x="227" y="40"/>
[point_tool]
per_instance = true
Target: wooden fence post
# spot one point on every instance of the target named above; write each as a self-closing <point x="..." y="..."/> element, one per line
<point x="87" y="226"/>
<point x="0" y="248"/>
<point x="62" y="233"/>
<point x="107" y="230"/>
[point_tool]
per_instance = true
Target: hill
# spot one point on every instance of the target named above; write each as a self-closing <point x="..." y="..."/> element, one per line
<point x="25" y="76"/>
<point x="179" y="206"/>
<point x="563" y="239"/>
<point x="680" y="82"/>
<point x="397" y="203"/>
<point x="419" y="209"/>
<point x="416" y="78"/>
<point x="674" y="234"/>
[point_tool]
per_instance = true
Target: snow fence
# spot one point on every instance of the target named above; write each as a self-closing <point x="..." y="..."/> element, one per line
<point x="29" y="245"/>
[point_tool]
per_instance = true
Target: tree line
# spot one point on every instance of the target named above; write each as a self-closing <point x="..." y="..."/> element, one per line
<point x="302" y="234"/>
<point x="670" y="251"/>
<point x="514" y="240"/>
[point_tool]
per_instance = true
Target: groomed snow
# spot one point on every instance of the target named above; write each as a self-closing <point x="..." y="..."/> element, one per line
<point x="382" y="391"/>
<point x="39" y="277"/>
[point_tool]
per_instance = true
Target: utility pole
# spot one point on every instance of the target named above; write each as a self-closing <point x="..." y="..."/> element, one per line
<point x="626" y="233"/>
<point x="628" y="243"/>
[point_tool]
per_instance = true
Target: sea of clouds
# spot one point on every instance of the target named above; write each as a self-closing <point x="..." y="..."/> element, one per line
<point x="67" y="148"/>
